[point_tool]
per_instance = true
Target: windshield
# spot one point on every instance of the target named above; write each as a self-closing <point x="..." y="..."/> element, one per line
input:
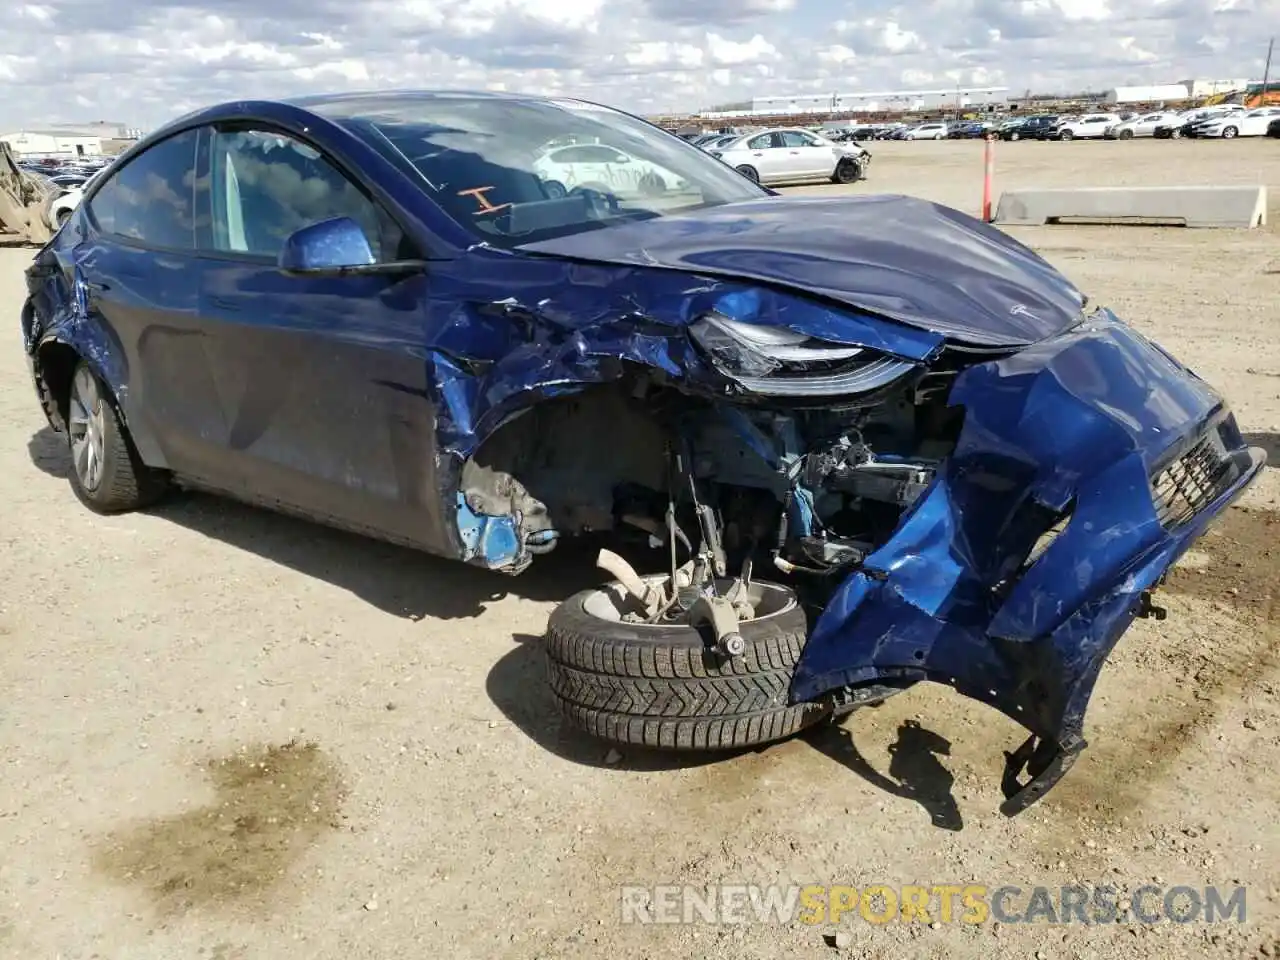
<point x="518" y="171"/>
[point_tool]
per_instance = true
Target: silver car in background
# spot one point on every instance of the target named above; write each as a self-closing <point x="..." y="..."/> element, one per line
<point x="792" y="155"/>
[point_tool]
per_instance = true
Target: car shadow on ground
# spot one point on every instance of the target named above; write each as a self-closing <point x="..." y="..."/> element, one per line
<point x="1270" y="442"/>
<point x="517" y="686"/>
<point x="397" y="580"/>
<point x="915" y="772"/>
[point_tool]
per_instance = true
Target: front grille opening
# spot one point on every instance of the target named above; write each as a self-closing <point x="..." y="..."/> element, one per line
<point x="1190" y="483"/>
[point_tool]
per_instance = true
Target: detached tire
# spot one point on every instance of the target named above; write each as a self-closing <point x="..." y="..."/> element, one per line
<point x="664" y="686"/>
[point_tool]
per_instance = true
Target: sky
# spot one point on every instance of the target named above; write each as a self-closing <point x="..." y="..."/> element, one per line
<point x="146" y="61"/>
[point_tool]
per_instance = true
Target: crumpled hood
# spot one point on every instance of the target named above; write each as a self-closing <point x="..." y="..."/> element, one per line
<point x="913" y="261"/>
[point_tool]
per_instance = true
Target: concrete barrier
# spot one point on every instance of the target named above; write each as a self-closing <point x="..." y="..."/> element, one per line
<point x="1183" y="206"/>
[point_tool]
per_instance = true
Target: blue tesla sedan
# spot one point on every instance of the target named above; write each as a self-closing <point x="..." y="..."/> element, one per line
<point x="478" y="324"/>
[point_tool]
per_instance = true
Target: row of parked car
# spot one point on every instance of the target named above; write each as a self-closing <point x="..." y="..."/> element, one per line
<point x="1225" y="121"/>
<point x="69" y="179"/>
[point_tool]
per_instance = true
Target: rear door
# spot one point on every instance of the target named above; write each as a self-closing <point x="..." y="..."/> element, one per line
<point x="766" y="154"/>
<point x="322" y="383"/>
<point x="137" y="276"/>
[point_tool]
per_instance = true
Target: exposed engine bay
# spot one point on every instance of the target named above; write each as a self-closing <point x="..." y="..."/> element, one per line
<point x="723" y="484"/>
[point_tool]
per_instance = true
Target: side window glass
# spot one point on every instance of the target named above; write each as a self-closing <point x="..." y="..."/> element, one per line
<point x="150" y="198"/>
<point x="762" y="142"/>
<point x="265" y="185"/>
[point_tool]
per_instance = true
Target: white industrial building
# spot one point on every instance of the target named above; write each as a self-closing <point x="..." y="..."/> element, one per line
<point x="953" y="98"/>
<point x="71" y="141"/>
<point x="1153" y="93"/>
<point x="1209" y="88"/>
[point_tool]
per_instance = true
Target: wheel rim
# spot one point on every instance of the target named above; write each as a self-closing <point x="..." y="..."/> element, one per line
<point x="87" y="430"/>
<point x="611" y="601"/>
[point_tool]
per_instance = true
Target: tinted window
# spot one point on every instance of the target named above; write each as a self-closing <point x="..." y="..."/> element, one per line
<point x="570" y="155"/>
<point x="149" y="199"/>
<point x="483" y="160"/>
<point x="265" y="185"/>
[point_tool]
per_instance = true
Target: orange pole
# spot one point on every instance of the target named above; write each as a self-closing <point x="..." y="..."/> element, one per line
<point x="987" y="167"/>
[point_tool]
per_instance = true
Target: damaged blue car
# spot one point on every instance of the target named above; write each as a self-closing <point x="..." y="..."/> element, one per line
<point x="866" y="440"/>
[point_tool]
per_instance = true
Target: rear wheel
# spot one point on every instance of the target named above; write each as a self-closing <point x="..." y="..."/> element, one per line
<point x="652" y="185"/>
<point x="107" y="474"/>
<point x="663" y="685"/>
<point x="1015" y="135"/>
<point x="749" y="172"/>
<point x="1229" y="133"/>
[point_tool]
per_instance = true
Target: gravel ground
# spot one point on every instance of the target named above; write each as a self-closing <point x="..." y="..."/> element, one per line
<point x="229" y="735"/>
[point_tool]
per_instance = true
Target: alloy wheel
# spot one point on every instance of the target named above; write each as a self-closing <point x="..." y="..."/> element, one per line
<point x="87" y="428"/>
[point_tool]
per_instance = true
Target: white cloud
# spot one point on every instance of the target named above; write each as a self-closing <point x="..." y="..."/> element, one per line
<point x="144" y="61"/>
<point x="731" y="52"/>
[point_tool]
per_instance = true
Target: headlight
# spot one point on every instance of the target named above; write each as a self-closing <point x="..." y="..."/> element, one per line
<point x="776" y="361"/>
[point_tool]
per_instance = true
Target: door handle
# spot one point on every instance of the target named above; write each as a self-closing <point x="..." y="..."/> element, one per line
<point x="757" y="154"/>
<point x="795" y="153"/>
<point x="222" y="303"/>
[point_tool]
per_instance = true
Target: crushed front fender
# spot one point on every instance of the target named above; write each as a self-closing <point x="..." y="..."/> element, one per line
<point x="1087" y="464"/>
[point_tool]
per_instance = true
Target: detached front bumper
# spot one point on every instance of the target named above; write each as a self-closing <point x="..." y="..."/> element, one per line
<point x="1086" y="466"/>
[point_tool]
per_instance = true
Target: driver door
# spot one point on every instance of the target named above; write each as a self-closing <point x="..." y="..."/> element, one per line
<point x="806" y="157"/>
<point x="321" y="382"/>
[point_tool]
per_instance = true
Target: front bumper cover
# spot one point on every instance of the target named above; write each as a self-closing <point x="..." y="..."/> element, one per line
<point x="1074" y="433"/>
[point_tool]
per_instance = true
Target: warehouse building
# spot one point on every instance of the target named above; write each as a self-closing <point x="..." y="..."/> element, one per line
<point x="1210" y="88"/>
<point x="68" y="141"/>
<point x="1155" y="93"/>
<point x="879" y="101"/>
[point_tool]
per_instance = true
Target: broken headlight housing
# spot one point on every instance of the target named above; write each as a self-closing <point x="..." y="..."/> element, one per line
<point x="777" y="361"/>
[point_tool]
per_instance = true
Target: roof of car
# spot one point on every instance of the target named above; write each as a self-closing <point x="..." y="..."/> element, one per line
<point x="374" y="98"/>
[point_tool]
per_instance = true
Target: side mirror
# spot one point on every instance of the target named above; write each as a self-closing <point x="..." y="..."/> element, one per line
<point x="330" y="246"/>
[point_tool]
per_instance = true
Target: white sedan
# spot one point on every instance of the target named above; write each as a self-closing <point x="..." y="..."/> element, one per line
<point x="594" y="166"/>
<point x="65" y="203"/>
<point x="1253" y="123"/>
<point x="793" y="155"/>
<point x="927" y="131"/>
<point x="1141" y="126"/>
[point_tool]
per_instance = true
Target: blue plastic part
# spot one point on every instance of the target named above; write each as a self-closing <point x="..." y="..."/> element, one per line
<point x="1083" y="419"/>
<point x="493" y="542"/>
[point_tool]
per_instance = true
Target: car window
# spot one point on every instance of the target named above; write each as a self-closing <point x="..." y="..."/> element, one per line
<point x="762" y="142"/>
<point x="602" y="155"/>
<point x="265" y="185"/>
<point x="151" y="198"/>
<point x="794" y="138"/>
<point x="580" y="154"/>
<point x="481" y="160"/>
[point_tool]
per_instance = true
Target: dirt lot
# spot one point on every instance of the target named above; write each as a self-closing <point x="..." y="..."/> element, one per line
<point x="155" y="666"/>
